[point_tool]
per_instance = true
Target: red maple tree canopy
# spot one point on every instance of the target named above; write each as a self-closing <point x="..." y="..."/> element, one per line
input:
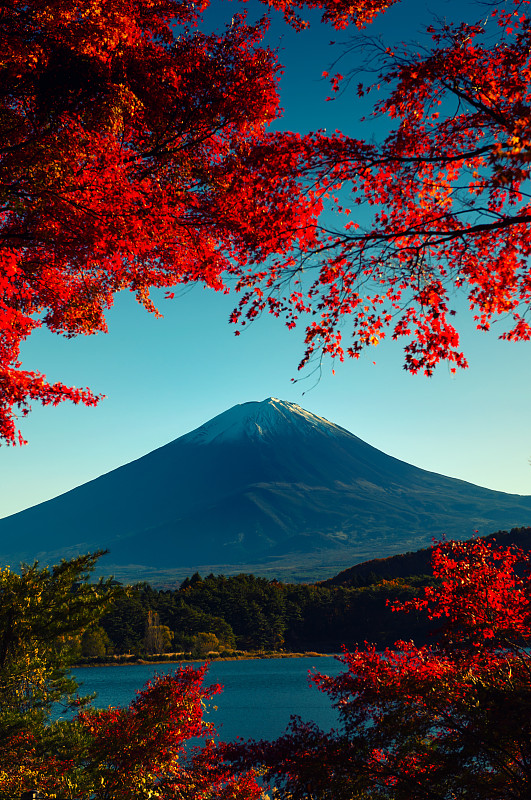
<point x="134" y="153"/>
<point x="431" y="722"/>
<point x="339" y="13"/>
<point x="122" y="129"/>
<point x="441" y="203"/>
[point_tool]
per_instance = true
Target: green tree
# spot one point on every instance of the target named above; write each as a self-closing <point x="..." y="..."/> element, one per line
<point x="43" y="615"/>
<point x="95" y="642"/>
<point x="135" y="753"/>
<point x="125" y="623"/>
<point x="157" y="638"/>
<point x="204" y="643"/>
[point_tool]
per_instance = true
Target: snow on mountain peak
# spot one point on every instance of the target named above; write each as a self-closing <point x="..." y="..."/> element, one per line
<point x="258" y="420"/>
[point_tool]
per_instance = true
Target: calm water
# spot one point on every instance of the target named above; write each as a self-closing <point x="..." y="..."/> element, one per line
<point x="258" y="697"/>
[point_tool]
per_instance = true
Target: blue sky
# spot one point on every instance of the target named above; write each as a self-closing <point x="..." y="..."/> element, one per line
<point x="166" y="377"/>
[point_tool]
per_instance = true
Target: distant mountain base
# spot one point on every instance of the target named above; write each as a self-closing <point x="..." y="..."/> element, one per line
<point x="325" y="567"/>
<point x="416" y="563"/>
<point x="305" y="569"/>
<point x="295" y="568"/>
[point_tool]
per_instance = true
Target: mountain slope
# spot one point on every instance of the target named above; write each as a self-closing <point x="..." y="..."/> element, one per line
<point x="417" y="563"/>
<point x="262" y="487"/>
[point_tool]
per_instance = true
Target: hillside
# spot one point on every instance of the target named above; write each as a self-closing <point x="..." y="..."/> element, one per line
<point x="417" y="563"/>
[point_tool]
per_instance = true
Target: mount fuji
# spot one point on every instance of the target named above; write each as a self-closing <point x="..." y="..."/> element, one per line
<point x="265" y="487"/>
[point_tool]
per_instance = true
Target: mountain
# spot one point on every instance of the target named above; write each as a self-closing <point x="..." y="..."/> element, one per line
<point x="264" y="487"/>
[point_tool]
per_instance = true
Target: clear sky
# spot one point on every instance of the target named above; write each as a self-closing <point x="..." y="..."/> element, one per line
<point x="166" y="377"/>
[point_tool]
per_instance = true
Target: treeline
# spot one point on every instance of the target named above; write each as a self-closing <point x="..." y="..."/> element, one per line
<point x="244" y="612"/>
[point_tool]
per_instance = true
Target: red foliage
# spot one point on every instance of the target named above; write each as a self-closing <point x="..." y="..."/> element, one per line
<point x="440" y="204"/>
<point x="151" y="748"/>
<point x="141" y="749"/>
<point x="445" y="721"/>
<point x="23" y="766"/>
<point x="122" y="132"/>
<point x="134" y="154"/>
<point x="339" y="13"/>
<point x="484" y="596"/>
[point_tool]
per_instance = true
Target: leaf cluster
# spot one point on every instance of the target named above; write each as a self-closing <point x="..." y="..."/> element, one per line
<point x="135" y="154"/>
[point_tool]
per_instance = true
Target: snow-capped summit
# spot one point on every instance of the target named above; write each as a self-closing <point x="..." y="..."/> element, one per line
<point x="258" y="420"/>
<point x="264" y="487"/>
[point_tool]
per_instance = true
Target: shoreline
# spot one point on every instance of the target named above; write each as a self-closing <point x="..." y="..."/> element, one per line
<point x="120" y="661"/>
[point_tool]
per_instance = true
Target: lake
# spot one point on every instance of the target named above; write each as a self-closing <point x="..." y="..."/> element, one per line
<point x="258" y="699"/>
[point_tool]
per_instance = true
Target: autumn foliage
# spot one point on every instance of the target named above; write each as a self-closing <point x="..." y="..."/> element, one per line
<point x="122" y="131"/>
<point x="339" y="13"/>
<point x="445" y="721"/>
<point x="139" y="750"/>
<point x="440" y="203"/>
<point x="134" y="153"/>
<point x="160" y="745"/>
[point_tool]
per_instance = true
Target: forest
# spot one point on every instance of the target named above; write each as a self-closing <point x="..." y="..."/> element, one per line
<point x="248" y="613"/>
<point x="222" y="615"/>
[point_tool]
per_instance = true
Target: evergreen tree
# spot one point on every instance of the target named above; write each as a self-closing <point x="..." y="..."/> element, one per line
<point x="43" y="615"/>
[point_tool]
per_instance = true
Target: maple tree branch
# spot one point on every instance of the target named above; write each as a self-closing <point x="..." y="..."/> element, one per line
<point x="367" y="161"/>
<point x="461" y="233"/>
